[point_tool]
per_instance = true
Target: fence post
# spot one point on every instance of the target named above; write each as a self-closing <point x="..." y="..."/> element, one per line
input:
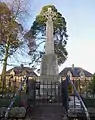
<point x="65" y="93"/>
<point x="31" y="93"/>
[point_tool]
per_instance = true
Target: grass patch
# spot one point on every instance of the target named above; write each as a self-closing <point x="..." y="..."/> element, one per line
<point x="89" y="102"/>
<point x="5" y="102"/>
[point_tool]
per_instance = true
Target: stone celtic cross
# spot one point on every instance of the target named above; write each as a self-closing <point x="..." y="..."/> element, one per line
<point x="49" y="46"/>
<point x="49" y="65"/>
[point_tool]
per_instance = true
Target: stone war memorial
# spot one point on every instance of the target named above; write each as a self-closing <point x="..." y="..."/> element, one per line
<point x="68" y="95"/>
<point x="49" y="66"/>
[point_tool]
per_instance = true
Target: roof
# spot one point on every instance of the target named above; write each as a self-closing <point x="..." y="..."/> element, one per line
<point x="21" y="71"/>
<point x="75" y="72"/>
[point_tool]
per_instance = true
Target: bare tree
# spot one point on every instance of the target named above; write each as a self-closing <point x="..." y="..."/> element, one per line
<point x="11" y="31"/>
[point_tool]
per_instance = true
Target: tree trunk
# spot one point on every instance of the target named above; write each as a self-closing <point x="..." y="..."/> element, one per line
<point x="3" y="75"/>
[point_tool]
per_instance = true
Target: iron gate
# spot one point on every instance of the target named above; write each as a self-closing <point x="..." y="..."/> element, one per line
<point x="47" y="92"/>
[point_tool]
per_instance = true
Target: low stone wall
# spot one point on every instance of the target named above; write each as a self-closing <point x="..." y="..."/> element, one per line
<point x="15" y="112"/>
<point x="79" y="113"/>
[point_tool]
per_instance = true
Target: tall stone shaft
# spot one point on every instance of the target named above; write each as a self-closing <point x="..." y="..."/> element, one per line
<point x="49" y="46"/>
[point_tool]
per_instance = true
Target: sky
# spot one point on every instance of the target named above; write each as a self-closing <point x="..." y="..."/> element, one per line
<point x="80" y="18"/>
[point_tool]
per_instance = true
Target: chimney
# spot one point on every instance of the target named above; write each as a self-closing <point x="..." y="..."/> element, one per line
<point x="22" y="65"/>
<point x="72" y="66"/>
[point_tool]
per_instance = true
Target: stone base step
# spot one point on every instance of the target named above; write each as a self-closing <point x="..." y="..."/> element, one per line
<point x="48" y="112"/>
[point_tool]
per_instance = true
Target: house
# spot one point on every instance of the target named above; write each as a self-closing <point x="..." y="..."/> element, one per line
<point x="75" y="73"/>
<point x="78" y="75"/>
<point x="16" y="74"/>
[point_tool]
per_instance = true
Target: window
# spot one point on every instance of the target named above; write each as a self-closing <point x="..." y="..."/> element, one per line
<point x="69" y="74"/>
<point x="82" y="75"/>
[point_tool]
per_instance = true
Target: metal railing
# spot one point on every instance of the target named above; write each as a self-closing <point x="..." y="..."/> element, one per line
<point x="78" y="96"/>
<point x="47" y="92"/>
<point x="15" y="96"/>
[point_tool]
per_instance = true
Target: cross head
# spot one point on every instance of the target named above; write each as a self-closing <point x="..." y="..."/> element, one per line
<point x="49" y="14"/>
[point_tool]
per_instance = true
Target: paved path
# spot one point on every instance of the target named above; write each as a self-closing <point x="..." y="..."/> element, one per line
<point x="48" y="112"/>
